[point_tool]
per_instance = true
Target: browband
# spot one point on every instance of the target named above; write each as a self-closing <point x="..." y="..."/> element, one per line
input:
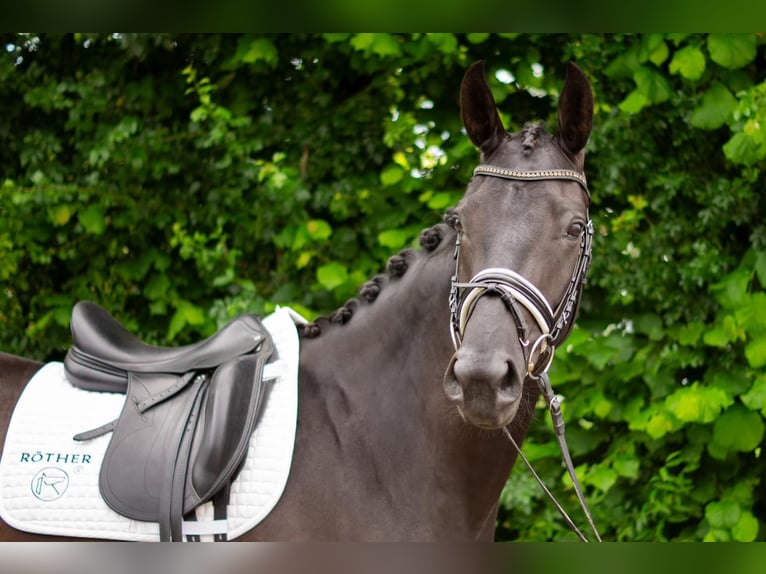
<point x="569" y="174"/>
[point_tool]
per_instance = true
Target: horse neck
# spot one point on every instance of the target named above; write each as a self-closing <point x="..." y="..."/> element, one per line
<point x="377" y="381"/>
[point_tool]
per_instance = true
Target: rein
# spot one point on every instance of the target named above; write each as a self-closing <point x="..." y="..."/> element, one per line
<point x="516" y="292"/>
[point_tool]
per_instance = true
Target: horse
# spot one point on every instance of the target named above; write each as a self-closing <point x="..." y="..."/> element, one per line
<point x="409" y="393"/>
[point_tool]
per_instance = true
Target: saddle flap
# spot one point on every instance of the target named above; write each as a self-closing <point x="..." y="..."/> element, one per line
<point x="228" y="419"/>
<point x="134" y="467"/>
<point x="180" y="439"/>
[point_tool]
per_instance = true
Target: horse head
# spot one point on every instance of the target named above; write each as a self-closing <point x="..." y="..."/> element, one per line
<point x="523" y="248"/>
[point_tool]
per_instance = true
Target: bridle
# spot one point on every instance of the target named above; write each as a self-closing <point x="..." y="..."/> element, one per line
<point x="514" y="290"/>
<point x="518" y="293"/>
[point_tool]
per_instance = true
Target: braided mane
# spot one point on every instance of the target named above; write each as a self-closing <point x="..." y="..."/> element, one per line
<point x="430" y="238"/>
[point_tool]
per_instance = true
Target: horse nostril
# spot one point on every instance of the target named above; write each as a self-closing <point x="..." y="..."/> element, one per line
<point x="452" y="387"/>
<point x="512" y="381"/>
<point x="506" y="382"/>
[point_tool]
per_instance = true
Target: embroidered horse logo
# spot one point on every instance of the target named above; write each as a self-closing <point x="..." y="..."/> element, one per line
<point x="49" y="484"/>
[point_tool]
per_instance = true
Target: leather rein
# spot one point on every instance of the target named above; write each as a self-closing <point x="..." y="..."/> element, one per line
<point x="517" y="292"/>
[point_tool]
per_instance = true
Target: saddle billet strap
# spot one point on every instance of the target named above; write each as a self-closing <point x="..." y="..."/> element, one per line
<point x="220" y="503"/>
<point x="142" y="406"/>
<point x="96" y="432"/>
<point x="176" y="468"/>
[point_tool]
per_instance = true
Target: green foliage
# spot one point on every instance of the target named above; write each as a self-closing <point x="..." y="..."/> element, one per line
<point x="667" y="378"/>
<point x="181" y="179"/>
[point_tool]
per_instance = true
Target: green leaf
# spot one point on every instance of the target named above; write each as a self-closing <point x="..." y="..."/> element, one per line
<point x="254" y="50"/>
<point x="334" y="37"/>
<point x="377" y="43"/>
<point x="445" y="42"/>
<point x="92" y="219"/>
<point x="723" y="332"/>
<point x="654" y="49"/>
<point x="734" y="381"/>
<point x="363" y="42"/>
<point x="742" y="149"/>
<point x="624" y="65"/>
<point x="697" y="403"/>
<point x="537" y="451"/>
<point x="440" y="200"/>
<point x="600" y="405"/>
<point x="760" y="266"/>
<point x="60" y="214"/>
<point x="186" y="314"/>
<point x="157" y="287"/>
<point x="738" y="429"/>
<point x="755" y="397"/>
<point x="652" y="85"/>
<point x="658" y="425"/>
<point x="318" y="229"/>
<point x="717" y="535"/>
<point x="723" y="514"/>
<point x="136" y="269"/>
<point x="690" y="334"/>
<point x="601" y="477"/>
<point x="626" y="465"/>
<point x="650" y="324"/>
<point x="677" y="37"/>
<point x="391" y="175"/>
<point x="746" y="528"/>
<point x="732" y="50"/>
<point x="751" y="313"/>
<point x="689" y="61"/>
<point x="715" y="109"/>
<point x="634" y="102"/>
<point x="332" y="275"/>
<point x="393" y="238"/>
<point x="755" y="351"/>
<point x="732" y="289"/>
<point x="477" y="37"/>
<point x="301" y="238"/>
<point x="62" y="315"/>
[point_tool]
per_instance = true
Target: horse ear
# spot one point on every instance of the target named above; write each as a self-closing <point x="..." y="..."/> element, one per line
<point x="477" y="108"/>
<point x="575" y="111"/>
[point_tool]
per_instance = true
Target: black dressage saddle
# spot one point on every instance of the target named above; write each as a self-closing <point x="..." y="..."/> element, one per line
<point x="188" y="416"/>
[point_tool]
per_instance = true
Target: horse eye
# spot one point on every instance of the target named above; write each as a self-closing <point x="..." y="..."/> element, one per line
<point x="575" y="229"/>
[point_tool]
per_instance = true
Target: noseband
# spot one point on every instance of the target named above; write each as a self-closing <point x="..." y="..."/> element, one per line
<point x="517" y="292"/>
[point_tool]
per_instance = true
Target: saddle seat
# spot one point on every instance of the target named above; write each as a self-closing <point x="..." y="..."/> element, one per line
<point x="103" y="351"/>
<point x="189" y="413"/>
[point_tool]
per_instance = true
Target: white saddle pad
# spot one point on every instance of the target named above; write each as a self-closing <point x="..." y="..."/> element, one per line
<point x="49" y="482"/>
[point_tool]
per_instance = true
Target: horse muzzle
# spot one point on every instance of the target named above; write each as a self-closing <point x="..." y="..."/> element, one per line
<point x="486" y="389"/>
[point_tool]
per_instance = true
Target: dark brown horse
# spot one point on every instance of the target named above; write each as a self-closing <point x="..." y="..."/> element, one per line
<point x="402" y="403"/>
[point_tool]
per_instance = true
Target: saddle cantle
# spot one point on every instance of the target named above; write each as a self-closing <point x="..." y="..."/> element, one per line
<point x="188" y="416"/>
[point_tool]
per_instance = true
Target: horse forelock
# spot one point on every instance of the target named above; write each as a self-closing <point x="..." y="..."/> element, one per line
<point x="531" y="134"/>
